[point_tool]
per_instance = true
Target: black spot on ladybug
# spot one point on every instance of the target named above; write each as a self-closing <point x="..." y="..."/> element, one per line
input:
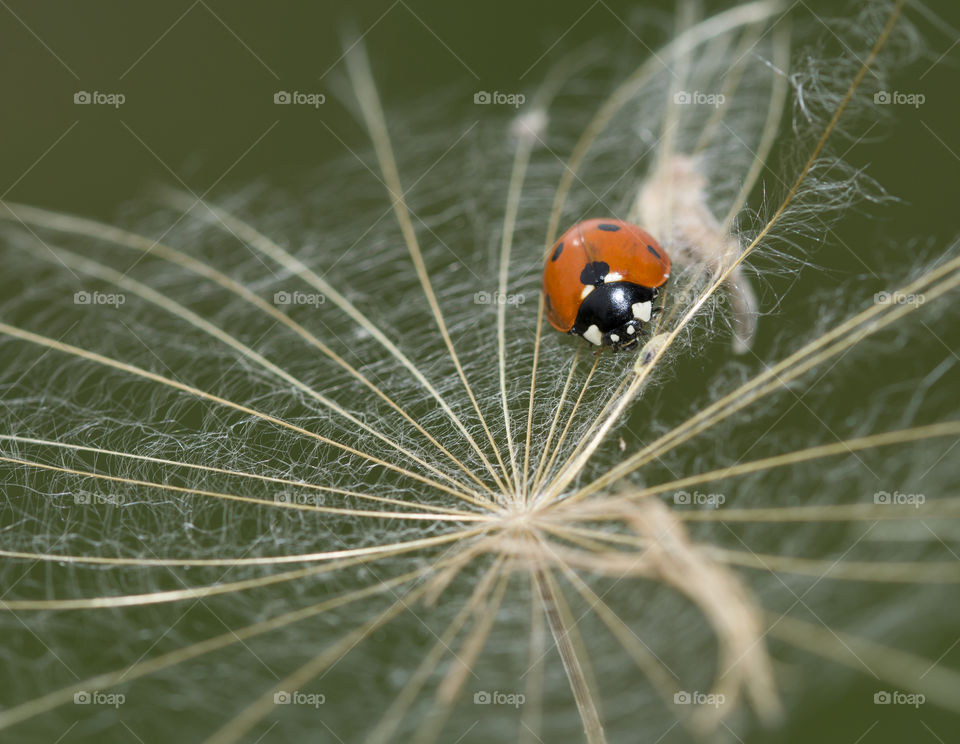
<point x="557" y="251"/>
<point x="608" y="227"/>
<point x="653" y="251"/>
<point x="549" y="304"/>
<point x="594" y="272"/>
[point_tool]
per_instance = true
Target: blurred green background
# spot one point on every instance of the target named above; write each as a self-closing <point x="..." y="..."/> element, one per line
<point x="199" y="80"/>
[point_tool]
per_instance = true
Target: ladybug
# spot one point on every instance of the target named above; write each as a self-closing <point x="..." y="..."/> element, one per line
<point x="600" y="281"/>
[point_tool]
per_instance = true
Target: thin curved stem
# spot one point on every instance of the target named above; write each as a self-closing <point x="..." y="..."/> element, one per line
<point x="51" y="343"/>
<point x="366" y="92"/>
<point x="73" y="225"/>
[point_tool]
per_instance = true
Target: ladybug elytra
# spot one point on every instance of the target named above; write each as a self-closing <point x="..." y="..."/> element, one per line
<point x="600" y="280"/>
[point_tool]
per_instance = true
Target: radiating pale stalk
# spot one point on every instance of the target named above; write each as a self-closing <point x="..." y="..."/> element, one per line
<point x="542" y="460"/>
<point x="271" y="560"/>
<point x="392" y="717"/>
<point x="73" y="225"/>
<point x="203" y="592"/>
<point x="920" y="572"/>
<point x="520" y="163"/>
<point x="590" y="716"/>
<point x="16" y="714"/>
<point x="343" y="511"/>
<point x="566" y="429"/>
<point x="905" y="670"/>
<point x="661" y="676"/>
<point x="942" y="508"/>
<point x="844" y="447"/>
<point x="717" y="26"/>
<point x="238" y="726"/>
<point x="462" y="664"/>
<point x="268" y="247"/>
<point x="149" y="294"/>
<point x="566" y="476"/>
<point x="366" y="91"/>
<point x="531" y="721"/>
<point x="290" y="483"/>
<point x="932" y="285"/>
<point x="51" y="343"/>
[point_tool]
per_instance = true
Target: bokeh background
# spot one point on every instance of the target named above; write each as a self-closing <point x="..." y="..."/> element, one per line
<point x="199" y="79"/>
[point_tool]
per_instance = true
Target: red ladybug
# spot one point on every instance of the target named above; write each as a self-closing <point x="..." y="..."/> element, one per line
<point x="600" y="281"/>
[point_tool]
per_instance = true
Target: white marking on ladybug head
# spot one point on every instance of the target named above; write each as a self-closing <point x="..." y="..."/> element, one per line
<point x="642" y="310"/>
<point x="631" y="330"/>
<point x="613" y="276"/>
<point x="593" y="335"/>
<point x="585" y="291"/>
<point x="614" y="337"/>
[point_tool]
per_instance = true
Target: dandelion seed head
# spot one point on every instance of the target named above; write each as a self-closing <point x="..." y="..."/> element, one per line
<point x="294" y="385"/>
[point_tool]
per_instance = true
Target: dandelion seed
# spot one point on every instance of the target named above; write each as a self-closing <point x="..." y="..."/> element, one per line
<point x="486" y="525"/>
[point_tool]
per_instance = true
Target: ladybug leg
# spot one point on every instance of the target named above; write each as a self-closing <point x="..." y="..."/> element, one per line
<point x="630" y="344"/>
